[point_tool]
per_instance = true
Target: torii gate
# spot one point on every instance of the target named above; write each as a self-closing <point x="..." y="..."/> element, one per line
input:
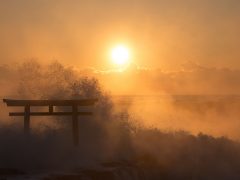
<point x="51" y="103"/>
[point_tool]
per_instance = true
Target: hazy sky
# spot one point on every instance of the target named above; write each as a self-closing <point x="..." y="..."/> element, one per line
<point x="161" y="33"/>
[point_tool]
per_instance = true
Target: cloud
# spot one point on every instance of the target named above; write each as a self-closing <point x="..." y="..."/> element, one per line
<point x="81" y="32"/>
<point x="191" y="78"/>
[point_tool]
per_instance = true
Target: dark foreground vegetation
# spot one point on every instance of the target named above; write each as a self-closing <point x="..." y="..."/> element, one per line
<point x="112" y="145"/>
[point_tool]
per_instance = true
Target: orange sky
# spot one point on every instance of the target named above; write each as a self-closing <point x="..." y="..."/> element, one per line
<point x="161" y="33"/>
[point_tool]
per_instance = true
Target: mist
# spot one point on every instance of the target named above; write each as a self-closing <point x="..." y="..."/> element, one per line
<point x="194" y="98"/>
<point x="168" y="109"/>
<point x="129" y="137"/>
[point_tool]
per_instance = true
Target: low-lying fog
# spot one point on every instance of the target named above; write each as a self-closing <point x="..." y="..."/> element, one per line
<point x="152" y="132"/>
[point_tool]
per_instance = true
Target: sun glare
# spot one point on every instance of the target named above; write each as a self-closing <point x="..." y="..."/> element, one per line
<point x="120" y="55"/>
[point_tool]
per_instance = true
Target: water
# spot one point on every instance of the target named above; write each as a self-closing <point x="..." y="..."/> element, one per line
<point x="158" y="155"/>
<point x="217" y="115"/>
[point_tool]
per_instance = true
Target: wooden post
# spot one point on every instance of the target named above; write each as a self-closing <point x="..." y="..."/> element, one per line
<point x="27" y="119"/>
<point x="50" y="109"/>
<point x="75" y="128"/>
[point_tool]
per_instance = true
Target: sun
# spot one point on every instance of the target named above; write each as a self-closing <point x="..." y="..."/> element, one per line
<point x="120" y="55"/>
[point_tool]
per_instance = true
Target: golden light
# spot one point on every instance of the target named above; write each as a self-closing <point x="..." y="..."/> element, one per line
<point x="120" y="55"/>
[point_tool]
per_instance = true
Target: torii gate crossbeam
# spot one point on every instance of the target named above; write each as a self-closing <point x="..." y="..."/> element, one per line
<point x="27" y="104"/>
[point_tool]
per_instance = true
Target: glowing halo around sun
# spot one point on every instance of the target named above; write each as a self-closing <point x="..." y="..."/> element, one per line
<point x="120" y="55"/>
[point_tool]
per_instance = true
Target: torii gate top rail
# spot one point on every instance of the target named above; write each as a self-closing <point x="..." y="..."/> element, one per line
<point x="81" y="102"/>
<point x="51" y="103"/>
